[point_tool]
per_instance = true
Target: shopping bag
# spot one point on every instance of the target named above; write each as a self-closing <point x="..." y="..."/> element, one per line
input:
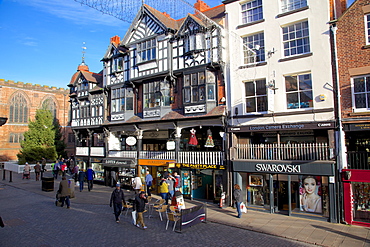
<point x="133" y="217"/>
<point x="77" y="183"/>
<point x="243" y="208"/>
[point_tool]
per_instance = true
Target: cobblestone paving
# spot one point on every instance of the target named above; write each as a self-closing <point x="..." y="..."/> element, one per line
<point x="32" y="219"/>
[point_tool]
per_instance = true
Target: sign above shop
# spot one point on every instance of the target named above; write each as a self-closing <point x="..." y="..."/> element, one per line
<point x="283" y="127"/>
<point x="273" y="167"/>
<point x="118" y="163"/>
<point x="149" y="162"/>
<point x="199" y="166"/>
<point x="131" y="141"/>
<point x="359" y="126"/>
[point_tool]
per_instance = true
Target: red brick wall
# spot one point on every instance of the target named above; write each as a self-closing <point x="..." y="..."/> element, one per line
<point x="34" y="94"/>
<point x="351" y="51"/>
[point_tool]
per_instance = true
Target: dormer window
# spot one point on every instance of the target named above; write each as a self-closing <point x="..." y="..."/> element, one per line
<point x="147" y="50"/>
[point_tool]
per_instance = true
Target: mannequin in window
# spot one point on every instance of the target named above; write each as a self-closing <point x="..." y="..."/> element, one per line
<point x="193" y="138"/>
<point x="209" y="142"/>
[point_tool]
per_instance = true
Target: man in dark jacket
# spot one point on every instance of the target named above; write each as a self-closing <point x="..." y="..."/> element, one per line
<point x="139" y="207"/>
<point x="64" y="192"/>
<point x="90" y="174"/>
<point x="116" y="200"/>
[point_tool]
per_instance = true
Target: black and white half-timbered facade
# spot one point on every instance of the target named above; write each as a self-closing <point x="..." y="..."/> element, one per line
<point x="87" y="115"/>
<point x="164" y="101"/>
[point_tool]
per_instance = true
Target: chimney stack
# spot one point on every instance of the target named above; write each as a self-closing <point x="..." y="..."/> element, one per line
<point x="201" y="6"/>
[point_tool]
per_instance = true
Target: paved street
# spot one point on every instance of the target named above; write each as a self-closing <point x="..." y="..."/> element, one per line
<point x="33" y="220"/>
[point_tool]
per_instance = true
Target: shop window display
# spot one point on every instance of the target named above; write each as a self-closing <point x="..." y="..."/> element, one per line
<point x="361" y="202"/>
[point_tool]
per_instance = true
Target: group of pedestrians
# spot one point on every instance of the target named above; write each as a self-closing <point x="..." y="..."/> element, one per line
<point x="89" y="175"/>
<point x="117" y="200"/>
<point x="168" y="185"/>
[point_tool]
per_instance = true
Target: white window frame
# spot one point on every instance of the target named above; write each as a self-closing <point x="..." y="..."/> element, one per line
<point x="248" y="12"/>
<point x="255" y="95"/>
<point x="120" y="95"/>
<point x="367" y="28"/>
<point x="366" y="92"/>
<point x="299" y="36"/>
<point x="290" y="5"/>
<point x="147" y="50"/>
<point x="254" y="51"/>
<point x="299" y="91"/>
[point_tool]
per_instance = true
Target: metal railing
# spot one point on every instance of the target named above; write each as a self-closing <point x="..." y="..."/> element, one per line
<point x="188" y="157"/>
<point x="299" y="151"/>
<point x="358" y="160"/>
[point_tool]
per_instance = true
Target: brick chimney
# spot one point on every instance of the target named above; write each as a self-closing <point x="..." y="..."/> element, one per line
<point x="201" y="6"/>
<point x="166" y="14"/>
<point x="116" y="39"/>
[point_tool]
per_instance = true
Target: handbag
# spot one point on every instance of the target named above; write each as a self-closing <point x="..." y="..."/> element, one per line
<point x="243" y="208"/>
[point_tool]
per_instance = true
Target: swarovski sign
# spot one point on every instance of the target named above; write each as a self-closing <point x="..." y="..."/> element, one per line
<point x="278" y="168"/>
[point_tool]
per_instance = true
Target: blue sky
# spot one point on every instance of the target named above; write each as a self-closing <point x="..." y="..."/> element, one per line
<point x="41" y="40"/>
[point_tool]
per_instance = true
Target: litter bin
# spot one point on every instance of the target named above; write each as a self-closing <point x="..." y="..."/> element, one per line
<point x="47" y="183"/>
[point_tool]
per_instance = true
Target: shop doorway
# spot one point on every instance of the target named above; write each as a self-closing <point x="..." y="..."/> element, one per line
<point x="286" y="193"/>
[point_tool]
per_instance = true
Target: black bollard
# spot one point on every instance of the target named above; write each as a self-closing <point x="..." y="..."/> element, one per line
<point x="3" y="174"/>
<point x="11" y="177"/>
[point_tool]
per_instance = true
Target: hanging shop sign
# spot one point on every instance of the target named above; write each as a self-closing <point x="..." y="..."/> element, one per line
<point x="131" y="141"/>
<point x="171" y="145"/>
<point x="199" y="166"/>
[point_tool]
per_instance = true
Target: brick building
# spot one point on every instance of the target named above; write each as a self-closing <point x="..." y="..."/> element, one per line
<point x="19" y="102"/>
<point x="353" y="52"/>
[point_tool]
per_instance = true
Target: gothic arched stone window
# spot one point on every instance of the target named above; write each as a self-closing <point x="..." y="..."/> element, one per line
<point x="49" y="104"/>
<point x="18" y="110"/>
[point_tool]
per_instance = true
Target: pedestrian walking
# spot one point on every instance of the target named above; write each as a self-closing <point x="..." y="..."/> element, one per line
<point x="237" y="196"/>
<point x="90" y="174"/>
<point x="136" y="184"/>
<point x="43" y="164"/>
<point x="81" y="179"/>
<point x="171" y="186"/>
<point x="139" y="207"/>
<point x="63" y="168"/>
<point x="64" y="192"/>
<point x="116" y="199"/>
<point x="56" y="169"/>
<point x="37" y="171"/>
<point x="26" y="171"/>
<point x="148" y="182"/>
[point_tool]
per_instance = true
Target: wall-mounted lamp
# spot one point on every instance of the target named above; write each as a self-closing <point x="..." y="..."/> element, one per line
<point x="223" y="100"/>
<point x="236" y="111"/>
<point x="322" y="97"/>
<point x="270" y="52"/>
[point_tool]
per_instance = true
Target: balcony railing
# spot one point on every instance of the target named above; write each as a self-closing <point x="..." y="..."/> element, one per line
<point x="300" y="151"/>
<point x="358" y="160"/>
<point x="188" y="157"/>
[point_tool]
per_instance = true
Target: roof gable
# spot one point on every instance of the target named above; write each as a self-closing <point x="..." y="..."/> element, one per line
<point x="148" y="23"/>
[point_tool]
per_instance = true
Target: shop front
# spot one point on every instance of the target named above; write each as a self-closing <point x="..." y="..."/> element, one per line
<point x="202" y="181"/>
<point x="293" y="188"/>
<point x="356" y="196"/>
<point x="116" y="170"/>
<point x="157" y="168"/>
